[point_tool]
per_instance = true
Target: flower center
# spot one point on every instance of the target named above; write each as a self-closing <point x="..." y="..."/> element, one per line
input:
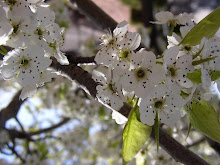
<point x="187" y="48"/>
<point x="140" y="73"/>
<point x="158" y="104"/>
<point x="52" y="45"/>
<point x="24" y="62"/>
<point x="110" y="86"/>
<point x="172" y="71"/>
<point x="124" y="54"/>
<point x="15" y="28"/>
<point x="39" y="32"/>
<point x="13" y="2"/>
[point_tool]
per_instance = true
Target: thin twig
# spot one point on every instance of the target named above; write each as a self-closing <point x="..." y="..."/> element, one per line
<point x="80" y="60"/>
<point x="77" y="73"/>
<point x="22" y="128"/>
<point x="11" y="110"/>
<point x="64" y="121"/>
<point x="15" y="152"/>
<point x="195" y="143"/>
<point x="47" y="137"/>
<point x="95" y="14"/>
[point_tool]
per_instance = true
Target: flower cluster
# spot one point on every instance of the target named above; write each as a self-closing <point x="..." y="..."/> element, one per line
<point x="28" y="28"/>
<point x="161" y="81"/>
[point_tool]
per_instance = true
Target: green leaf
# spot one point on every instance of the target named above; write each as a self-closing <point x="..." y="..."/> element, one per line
<point x="134" y="136"/>
<point x="195" y="77"/>
<point x="204" y="118"/>
<point x="136" y="4"/>
<point x="42" y="147"/>
<point x="3" y="51"/>
<point x="156" y="129"/>
<point x="205" y="28"/>
<point x="215" y="75"/>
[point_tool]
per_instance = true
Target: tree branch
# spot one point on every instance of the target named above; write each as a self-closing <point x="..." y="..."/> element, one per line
<point x="176" y="150"/>
<point x="95" y="14"/>
<point x="80" y="60"/>
<point x="214" y="145"/>
<point x="195" y="143"/>
<point x="11" y="110"/>
<point x="77" y="73"/>
<point x="15" y="152"/>
<point x="64" y="121"/>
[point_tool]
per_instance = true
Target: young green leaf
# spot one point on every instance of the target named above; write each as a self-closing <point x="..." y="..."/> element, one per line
<point x="204" y="118"/>
<point x="43" y="150"/>
<point x="205" y="28"/>
<point x="195" y="77"/>
<point x="3" y="51"/>
<point x="215" y="75"/>
<point x="134" y="136"/>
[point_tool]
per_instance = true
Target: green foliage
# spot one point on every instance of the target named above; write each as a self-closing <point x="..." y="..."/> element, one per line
<point x="195" y="76"/>
<point x="102" y="113"/>
<point x="135" y="4"/>
<point x="215" y="75"/>
<point x="3" y="51"/>
<point x="203" y="118"/>
<point x="134" y="136"/>
<point x="42" y="147"/>
<point x="205" y="28"/>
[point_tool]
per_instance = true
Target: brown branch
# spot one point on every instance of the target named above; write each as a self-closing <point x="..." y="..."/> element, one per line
<point x="214" y="145"/>
<point x="15" y="152"/>
<point x="64" y="121"/>
<point x="95" y="14"/>
<point x="176" y="150"/>
<point x="147" y="16"/>
<point x="80" y="60"/>
<point x="77" y="73"/>
<point x="11" y="110"/>
<point x="195" y="143"/>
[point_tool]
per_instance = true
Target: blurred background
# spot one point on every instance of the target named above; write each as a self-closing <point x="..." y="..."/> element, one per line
<point x="91" y="136"/>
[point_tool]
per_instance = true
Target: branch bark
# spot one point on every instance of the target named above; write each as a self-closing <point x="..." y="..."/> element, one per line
<point x="11" y="110"/>
<point x="64" y="121"/>
<point x="95" y="14"/>
<point x="77" y="73"/>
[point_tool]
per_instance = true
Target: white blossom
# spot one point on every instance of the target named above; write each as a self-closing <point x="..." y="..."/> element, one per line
<point x="161" y="101"/>
<point x="176" y="69"/>
<point x="175" y="40"/>
<point x="166" y="17"/>
<point x="27" y="63"/>
<point x="119" y="118"/>
<point x="145" y="74"/>
<point x="5" y="27"/>
<point x="109" y="44"/>
<point x="109" y="91"/>
<point x="210" y="49"/>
